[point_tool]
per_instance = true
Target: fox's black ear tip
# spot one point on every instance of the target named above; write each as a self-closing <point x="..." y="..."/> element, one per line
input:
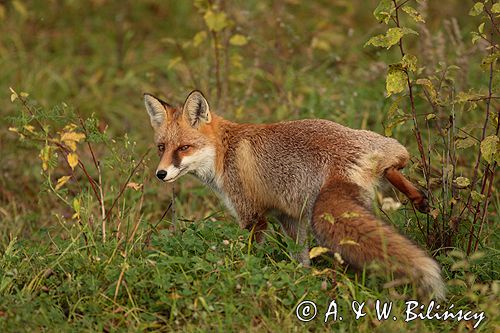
<point x="196" y="91"/>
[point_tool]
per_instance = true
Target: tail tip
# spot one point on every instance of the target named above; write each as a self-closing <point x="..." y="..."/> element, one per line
<point x="431" y="280"/>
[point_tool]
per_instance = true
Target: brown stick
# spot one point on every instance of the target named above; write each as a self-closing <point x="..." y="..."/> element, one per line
<point x="125" y="184"/>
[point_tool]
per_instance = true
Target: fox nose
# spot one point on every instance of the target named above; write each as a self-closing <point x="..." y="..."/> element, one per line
<point x="161" y="174"/>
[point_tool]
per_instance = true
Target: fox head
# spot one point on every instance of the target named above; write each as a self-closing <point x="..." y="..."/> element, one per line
<point x="184" y="137"/>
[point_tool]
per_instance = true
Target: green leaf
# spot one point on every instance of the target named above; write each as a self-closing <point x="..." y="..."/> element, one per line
<point x="216" y="21"/>
<point x="20" y="8"/>
<point x="77" y="208"/>
<point x="199" y="38"/>
<point x="391" y="37"/>
<point x="477" y="197"/>
<point x="477" y="9"/>
<point x="496" y="8"/>
<point x="413" y="13"/>
<point x="466" y="143"/>
<point x="475" y="37"/>
<point x="2" y="12"/>
<point x="409" y="62"/>
<point x="481" y="28"/>
<point x="238" y="40"/>
<point x="490" y="148"/>
<point x="396" y="80"/>
<point x="488" y="60"/>
<point x="430" y="88"/>
<point x="383" y="11"/>
<point x="462" y="182"/>
<point x="463" y="96"/>
<point x="173" y="62"/>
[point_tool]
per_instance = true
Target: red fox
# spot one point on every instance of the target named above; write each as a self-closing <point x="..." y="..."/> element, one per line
<point x="306" y="170"/>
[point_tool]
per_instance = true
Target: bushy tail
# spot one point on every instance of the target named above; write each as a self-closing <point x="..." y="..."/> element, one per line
<point x="344" y="224"/>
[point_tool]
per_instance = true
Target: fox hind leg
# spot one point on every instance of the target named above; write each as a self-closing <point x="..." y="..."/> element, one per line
<point x="416" y="196"/>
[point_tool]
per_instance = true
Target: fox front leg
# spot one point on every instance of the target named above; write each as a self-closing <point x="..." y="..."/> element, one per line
<point x="297" y="230"/>
<point x="254" y="222"/>
<point x="257" y="229"/>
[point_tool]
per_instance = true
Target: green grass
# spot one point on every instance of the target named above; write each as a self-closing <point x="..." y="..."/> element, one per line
<point x="94" y="59"/>
<point x="202" y="276"/>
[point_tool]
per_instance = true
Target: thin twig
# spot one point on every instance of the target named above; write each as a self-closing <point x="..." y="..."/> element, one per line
<point x="418" y="136"/>
<point x="478" y="160"/>
<point x="101" y="203"/>
<point x="125" y="183"/>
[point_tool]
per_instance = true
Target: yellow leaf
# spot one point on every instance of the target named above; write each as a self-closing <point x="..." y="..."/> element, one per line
<point x="13" y="97"/>
<point x="71" y="139"/>
<point x="238" y="40"/>
<point x="199" y="38"/>
<point x="45" y="157"/>
<point x="328" y="217"/>
<point x="71" y="145"/>
<point x="413" y="13"/>
<point x="462" y="182"/>
<point x="29" y="128"/>
<point x="391" y="37"/>
<point x="315" y="272"/>
<point x="350" y="215"/>
<point x="317" y="251"/>
<point x="476" y="9"/>
<point x="70" y="127"/>
<point x="173" y="62"/>
<point x="348" y="241"/>
<point x="24" y="94"/>
<point x="20" y="8"/>
<point x="2" y="12"/>
<point x="134" y="186"/>
<point x="72" y="160"/>
<point x="13" y="129"/>
<point x="61" y="181"/>
<point x="216" y="21"/>
<point x="72" y="136"/>
<point x="409" y="62"/>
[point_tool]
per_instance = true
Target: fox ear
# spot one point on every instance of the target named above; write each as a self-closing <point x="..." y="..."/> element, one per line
<point x="196" y="109"/>
<point x="157" y="109"/>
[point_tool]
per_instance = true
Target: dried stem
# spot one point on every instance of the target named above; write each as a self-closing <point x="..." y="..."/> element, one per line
<point x="418" y="136"/>
<point x="478" y="160"/>
<point x="125" y="184"/>
<point x="101" y="203"/>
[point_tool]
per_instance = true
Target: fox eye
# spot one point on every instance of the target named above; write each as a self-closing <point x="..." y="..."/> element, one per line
<point x="161" y="147"/>
<point x="184" y="148"/>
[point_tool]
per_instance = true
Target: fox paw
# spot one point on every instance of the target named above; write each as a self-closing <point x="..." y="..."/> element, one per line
<point x="421" y="203"/>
